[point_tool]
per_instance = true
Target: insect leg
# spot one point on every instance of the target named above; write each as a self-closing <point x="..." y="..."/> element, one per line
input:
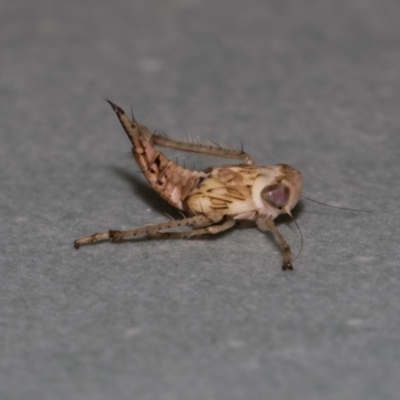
<point x="211" y="150"/>
<point x="150" y="230"/>
<point x="212" y="229"/>
<point x="134" y="128"/>
<point x="266" y="224"/>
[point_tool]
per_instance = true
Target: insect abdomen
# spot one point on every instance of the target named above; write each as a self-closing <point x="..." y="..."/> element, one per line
<point x="170" y="180"/>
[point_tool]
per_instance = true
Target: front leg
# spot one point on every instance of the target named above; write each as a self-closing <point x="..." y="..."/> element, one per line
<point x="264" y="223"/>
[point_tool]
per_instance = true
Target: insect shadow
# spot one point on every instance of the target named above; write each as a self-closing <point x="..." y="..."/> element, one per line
<point x="142" y="190"/>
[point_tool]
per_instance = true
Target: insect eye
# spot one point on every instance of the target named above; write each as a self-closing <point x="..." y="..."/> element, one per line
<point x="277" y="195"/>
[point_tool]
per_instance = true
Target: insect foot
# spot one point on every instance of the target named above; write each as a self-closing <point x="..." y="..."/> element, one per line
<point x="286" y="266"/>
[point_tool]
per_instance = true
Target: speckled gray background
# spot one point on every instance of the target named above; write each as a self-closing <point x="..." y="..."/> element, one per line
<point x="315" y="84"/>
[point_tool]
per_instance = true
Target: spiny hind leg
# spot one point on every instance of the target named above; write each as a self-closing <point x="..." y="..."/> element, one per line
<point x="266" y="224"/>
<point x="211" y="150"/>
<point x="150" y="230"/>
<point x="135" y="129"/>
<point x="212" y="229"/>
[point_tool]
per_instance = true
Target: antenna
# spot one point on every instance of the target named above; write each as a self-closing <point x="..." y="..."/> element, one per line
<point x="301" y="236"/>
<point x="328" y="205"/>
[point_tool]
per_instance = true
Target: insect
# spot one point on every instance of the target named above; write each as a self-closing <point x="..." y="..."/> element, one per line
<point x="216" y="198"/>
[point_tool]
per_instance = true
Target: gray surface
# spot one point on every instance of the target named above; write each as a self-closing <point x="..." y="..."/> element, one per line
<point x="315" y="84"/>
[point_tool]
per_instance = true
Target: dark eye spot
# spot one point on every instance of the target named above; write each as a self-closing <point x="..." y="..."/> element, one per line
<point x="277" y="195"/>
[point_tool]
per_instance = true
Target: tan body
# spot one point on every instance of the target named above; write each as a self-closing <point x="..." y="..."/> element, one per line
<point x="217" y="197"/>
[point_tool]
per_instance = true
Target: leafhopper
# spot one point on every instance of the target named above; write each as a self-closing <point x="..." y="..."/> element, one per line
<point x="215" y="199"/>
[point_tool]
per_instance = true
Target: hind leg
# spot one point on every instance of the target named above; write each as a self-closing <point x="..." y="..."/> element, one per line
<point x="212" y="229"/>
<point x="210" y="150"/>
<point x="208" y="222"/>
<point x="133" y="127"/>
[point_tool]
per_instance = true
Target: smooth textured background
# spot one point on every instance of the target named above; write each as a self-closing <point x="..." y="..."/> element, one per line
<point x="315" y="84"/>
